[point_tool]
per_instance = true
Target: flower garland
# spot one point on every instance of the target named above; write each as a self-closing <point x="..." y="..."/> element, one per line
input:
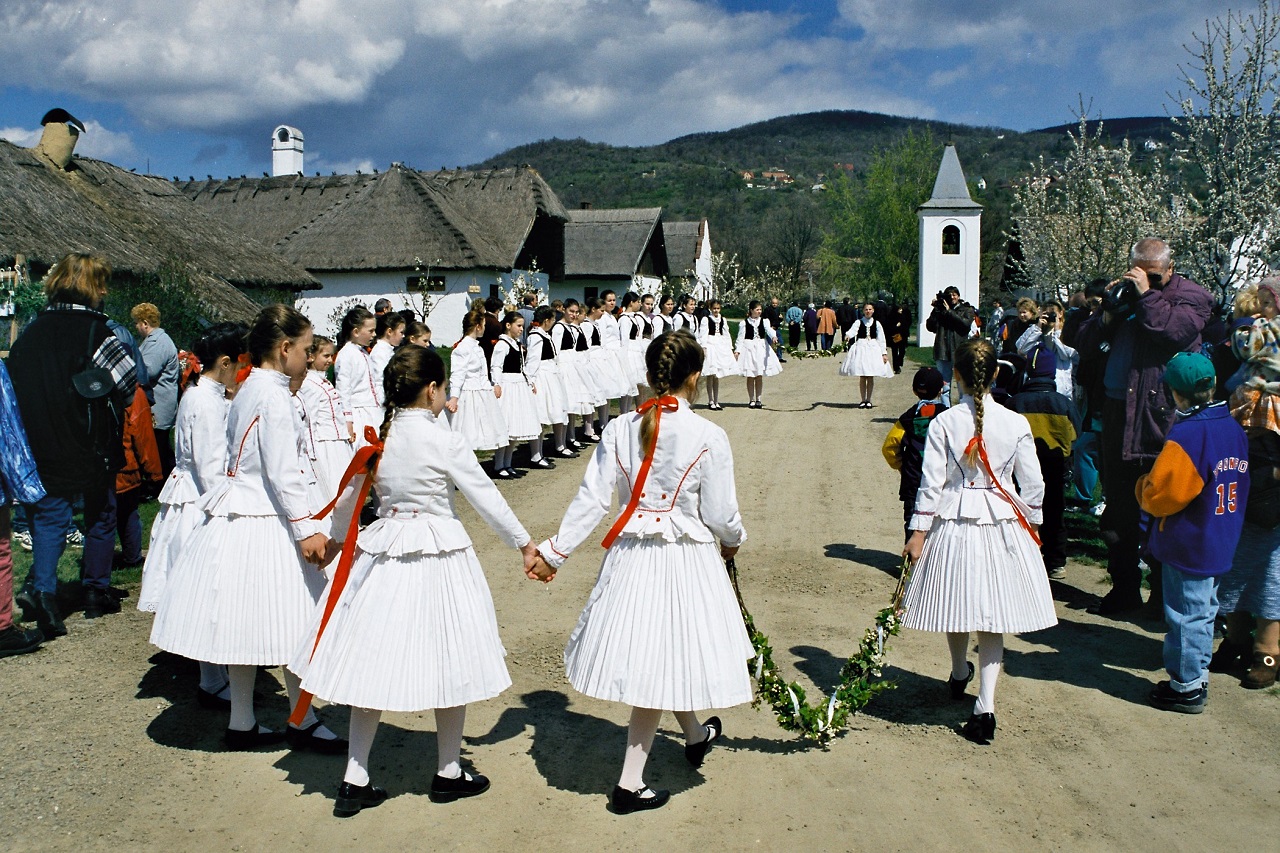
<point x="794" y="352"/>
<point x="859" y="677"/>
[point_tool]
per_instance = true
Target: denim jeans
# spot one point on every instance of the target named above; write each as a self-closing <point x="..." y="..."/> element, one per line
<point x="827" y="340"/>
<point x="947" y="370"/>
<point x="1190" y="606"/>
<point x="50" y="517"/>
<point x="129" y="524"/>
<point x="1084" y="467"/>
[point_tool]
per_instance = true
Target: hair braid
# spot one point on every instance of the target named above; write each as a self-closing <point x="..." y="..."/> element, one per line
<point x="976" y="365"/>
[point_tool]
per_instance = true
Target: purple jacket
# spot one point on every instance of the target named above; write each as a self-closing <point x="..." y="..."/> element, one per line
<point x="1166" y="322"/>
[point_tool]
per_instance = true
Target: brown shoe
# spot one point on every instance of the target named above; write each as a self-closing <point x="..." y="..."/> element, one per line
<point x="1262" y="673"/>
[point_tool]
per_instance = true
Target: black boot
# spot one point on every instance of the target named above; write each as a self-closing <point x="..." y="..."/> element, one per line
<point x="26" y="599"/>
<point x="15" y="641"/>
<point x="46" y="613"/>
<point x="99" y="602"/>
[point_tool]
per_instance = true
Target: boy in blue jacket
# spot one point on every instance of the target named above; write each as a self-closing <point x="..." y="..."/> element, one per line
<point x="1195" y="494"/>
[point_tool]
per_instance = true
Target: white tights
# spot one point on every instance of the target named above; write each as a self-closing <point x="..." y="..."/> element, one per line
<point x="713" y="390"/>
<point x="364" y="726"/>
<point x="755" y="388"/>
<point x="243" y="718"/>
<point x="644" y="725"/>
<point x="990" y="655"/>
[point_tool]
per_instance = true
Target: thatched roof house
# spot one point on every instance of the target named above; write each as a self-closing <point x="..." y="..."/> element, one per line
<point x="496" y="219"/>
<point x="141" y="224"/>
<point x="623" y="246"/>
<point x="689" y="255"/>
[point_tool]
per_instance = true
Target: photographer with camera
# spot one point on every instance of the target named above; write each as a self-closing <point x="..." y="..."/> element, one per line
<point x="950" y="321"/>
<point x="1046" y="332"/>
<point x="1149" y="315"/>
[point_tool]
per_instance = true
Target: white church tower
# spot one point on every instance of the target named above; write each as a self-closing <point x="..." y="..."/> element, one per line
<point x="286" y="151"/>
<point x="950" y="239"/>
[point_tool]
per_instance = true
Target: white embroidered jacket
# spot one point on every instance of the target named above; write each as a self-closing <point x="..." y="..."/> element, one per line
<point x="951" y="488"/>
<point x="690" y="491"/>
<point x="468" y="370"/>
<point x="327" y="417"/>
<point x="354" y="378"/>
<point x="199" y="442"/>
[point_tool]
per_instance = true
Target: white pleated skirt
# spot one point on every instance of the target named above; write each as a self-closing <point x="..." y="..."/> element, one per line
<point x="363" y="416"/>
<point x="551" y="401"/>
<point x="756" y="358"/>
<point x="865" y="359"/>
<point x="979" y="577"/>
<point x="638" y="371"/>
<point x="479" y="418"/>
<point x="169" y="532"/>
<point x="332" y="459"/>
<point x="519" y="409"/>
<point x="240" y="594"/>
<point x="614" y="375"/>
<point x="718" y="357"/>
<point x="408" y="633"/>
<point x="662" y="629"/>
<point x="578" y="394"/>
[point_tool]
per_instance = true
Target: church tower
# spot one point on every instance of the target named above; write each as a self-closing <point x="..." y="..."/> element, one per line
<point x="286" y="151"/>
<point x="950" y="239"/>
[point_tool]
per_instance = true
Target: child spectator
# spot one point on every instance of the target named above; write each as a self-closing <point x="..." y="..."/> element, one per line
<point x="1197" y="488"/>
<point x="903" y="448"/>
<point x="419" y="334"/>
<point x="141" y="460"/>
<point x="1054" y="426"/>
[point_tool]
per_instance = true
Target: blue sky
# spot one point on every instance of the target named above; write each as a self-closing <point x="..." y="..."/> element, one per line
<point x="195" y="87"/>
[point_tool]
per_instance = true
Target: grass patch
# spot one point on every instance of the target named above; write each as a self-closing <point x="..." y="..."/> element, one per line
<point x="72" y="558"/>
<point x="922" y="356"/>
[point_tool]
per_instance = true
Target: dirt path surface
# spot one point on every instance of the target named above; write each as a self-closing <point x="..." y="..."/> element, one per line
<point x="107" y="748"/>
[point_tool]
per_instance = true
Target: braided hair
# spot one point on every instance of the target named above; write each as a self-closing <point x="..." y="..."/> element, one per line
<point x="274" y="324"/>
<point x="352" y="320"/>
<point x="410" y="370"/>
<point x="229" y="339"/>
<point x="976" y="365"/>
<point x="671" y="359"/>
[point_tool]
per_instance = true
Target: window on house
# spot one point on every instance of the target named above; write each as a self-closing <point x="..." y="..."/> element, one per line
<point x="424" y="284"/>
<point x="951" y="240"/>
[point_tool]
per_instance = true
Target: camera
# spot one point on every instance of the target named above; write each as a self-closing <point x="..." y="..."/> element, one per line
<point x="1051" y="317"/>
<point x="1120" y="296"/>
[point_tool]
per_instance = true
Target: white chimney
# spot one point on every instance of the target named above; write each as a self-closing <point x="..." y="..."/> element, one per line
<point x="286" y="151"/>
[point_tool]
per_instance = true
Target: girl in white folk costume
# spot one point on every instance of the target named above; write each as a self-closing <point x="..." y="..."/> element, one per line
<point x="249" y="576"/>
<point x="506" y="369"/>
<point x="664" y="320"/>
<point x="975" y="545"/>
<point x="331" y="432"/>
<point x="354" y="374"/>
<point x="414" y="626"/>
<point x="604" y="368"/>
<point x="565" y="336"/>
<point x="868" y="356"/>
<point x="473" y="399"/>
<point x="200" y="448"/>
<point x="389" y="332"/>
<point x="551" y="401"/>
<point x="595" y="389"/>
<point x="631" y="330"/>
<point x="756" y="358"/>
<point x="622" y="388"/>
<point x="684" y="318"/>
<point x="717" y="346"/>
<point x="661" y="629"/>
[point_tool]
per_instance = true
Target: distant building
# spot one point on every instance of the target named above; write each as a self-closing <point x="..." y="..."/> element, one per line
<point x="950" y="245"/>
<point x="613" y="249"/>
<point x="689" y="256"/>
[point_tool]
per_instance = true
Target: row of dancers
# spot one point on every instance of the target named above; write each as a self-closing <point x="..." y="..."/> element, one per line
<point x="236" y="579"/>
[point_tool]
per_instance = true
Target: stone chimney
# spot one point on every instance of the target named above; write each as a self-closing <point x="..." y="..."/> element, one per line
<point x="286" y="151"/>
<point x="58" y="142"/>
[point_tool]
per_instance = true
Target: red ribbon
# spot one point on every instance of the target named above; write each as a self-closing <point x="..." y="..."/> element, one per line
<point x="986" y="463"/>
<point x="365" y="460"/>
<point x="665" y="403"/>
<point x="246" y="365"/>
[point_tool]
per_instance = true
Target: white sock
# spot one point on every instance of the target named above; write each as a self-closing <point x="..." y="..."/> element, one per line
<point x="364" y="725"/>
<point x="213" y="679"/>
<point x="958" y="645"/>
<point x="694" y="731"/>
<point x="990" y="654"/>
<point x="241" y="680"/>
<point x="449" y="723"/>
<point x="644" y="725"/>
<point x="293" y="686"/>
<point x="535" y="449"/>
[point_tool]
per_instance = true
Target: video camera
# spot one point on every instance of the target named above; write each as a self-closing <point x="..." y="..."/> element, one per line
<point x="1120" y="297"/>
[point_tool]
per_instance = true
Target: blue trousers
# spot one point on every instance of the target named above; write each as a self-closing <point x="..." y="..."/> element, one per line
<point x="1085" y="455"/>
<point x="50" y="518"/>
<point x="1190" y="606"/>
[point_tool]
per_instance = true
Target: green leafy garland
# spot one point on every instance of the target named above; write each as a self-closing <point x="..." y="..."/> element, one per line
<point x="794" y="352"/>
<point x="859" y="677"/>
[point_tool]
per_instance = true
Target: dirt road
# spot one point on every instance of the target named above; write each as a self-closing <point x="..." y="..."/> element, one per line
<point x="106" y="748"/>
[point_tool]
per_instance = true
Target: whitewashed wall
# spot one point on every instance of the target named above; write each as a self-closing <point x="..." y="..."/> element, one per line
<point x="939" y="271"/>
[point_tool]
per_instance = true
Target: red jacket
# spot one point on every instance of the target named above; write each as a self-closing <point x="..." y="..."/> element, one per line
<point x="141" y="453"/>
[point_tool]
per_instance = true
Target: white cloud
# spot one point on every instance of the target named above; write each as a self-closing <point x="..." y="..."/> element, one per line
<point x="96" y="141"/>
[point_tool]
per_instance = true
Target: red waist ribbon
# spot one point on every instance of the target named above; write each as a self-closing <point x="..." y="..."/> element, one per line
<point x="986" y="463"/>
<point x="366" y="461"/>
<point x="665" y="403"/>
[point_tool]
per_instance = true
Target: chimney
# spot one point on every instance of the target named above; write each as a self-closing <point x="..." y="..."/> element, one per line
<point x="58" y="142"/>
<point x="286" y="151"/>
<point x="584" y="205"/>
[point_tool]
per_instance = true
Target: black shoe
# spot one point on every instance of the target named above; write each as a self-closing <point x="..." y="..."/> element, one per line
<point x="16" y="641"/>
<point x="306" y="739"/>
<point x="446" y="790"/>
<point x="1113" y="605"/>
<point x="980" y="728"/>
<point x="543" y="463"/>
<point x="1166" y="698"/>
<point x="118" y="593"/>
<point x="47" y="618"/>
<point x="353" y="798"/>
<point x="1230" y="658"/>
<point x="626" y="802"/>
<point x="238" y="741"/>
<point x="26" y="599"/>
<point x="574" y="444"/>
<point x="211" y="701"/>
<point x="694" y="753"/>
<point x="565" y="453"/>
<point x="957" y="686"/>
<point x="501" y="474"/>
<point x="515" y="472"/>
<point x="99" y="602"/>
<point x="119" y="562"/>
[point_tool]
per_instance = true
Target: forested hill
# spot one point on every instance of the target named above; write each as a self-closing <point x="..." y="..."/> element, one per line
<point x="702" y="174"/>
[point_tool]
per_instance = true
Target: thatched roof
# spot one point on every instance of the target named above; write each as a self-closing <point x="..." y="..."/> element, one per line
<point x="683" y="241"/>
<point x="450" y="219"/>
<point x="141" y="224"/>
<point x="613" y="242"/>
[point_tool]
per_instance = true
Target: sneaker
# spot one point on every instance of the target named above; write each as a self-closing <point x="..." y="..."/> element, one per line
<point x="1166" y="698"/>
<point x="16" y="641"/>
<point x="23" y="538"/>
<point x="1057" y="573"/>
<point x="75" y="539"/>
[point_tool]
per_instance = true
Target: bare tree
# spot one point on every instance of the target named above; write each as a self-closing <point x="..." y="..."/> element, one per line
<point x="794" y="236"/>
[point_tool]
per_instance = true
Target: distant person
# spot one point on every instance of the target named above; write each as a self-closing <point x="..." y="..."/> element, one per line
<point x="846" y="316"/>
<point x="795" y="325"/>
<point x="996" y="318"/>
<point x="492" y="327"/>
<point x="810" y="328"/>
<point x="382" y="306"/>
<point x="163" y="377"/>
<point x="141" y="467"/>
<point x="827" y="325"/>
<point x="950" y="320"/>
<point x="868" y="356"/>
<point x="899" y="329"/>
<point x="774" y="316"/>
<point x="903" y="447"/>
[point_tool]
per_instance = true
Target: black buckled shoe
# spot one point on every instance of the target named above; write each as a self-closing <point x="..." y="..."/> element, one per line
<point x="980" y="728"/>
<point x="306" y="739"/>
<point x="957" y="686"/>
<point x="16" y="641"/>
<point x="352" y="798"/>
<point x="446" y="790"/>
<point x="626" y="802"/>
<point x="254" y="738"/>
<point x="99" y="602"/>
<point x="694" y="753"/>
<point x="211" y="701"/>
